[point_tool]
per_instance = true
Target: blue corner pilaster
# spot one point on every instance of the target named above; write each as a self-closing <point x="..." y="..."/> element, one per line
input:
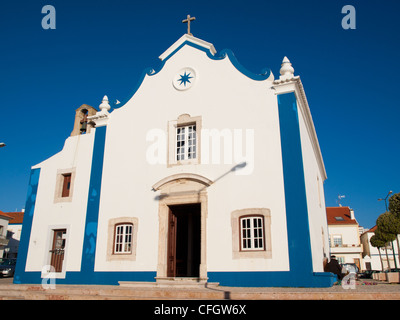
<point x="19" y="276"/>
<point x="300" y="255"/>
<point x="92" y="212"/>
<point x="298" y="231"/>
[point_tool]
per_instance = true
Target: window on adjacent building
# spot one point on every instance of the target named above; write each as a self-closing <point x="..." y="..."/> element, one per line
<point x="340" y="259"/>
<point x="186" y="142"/>
<point x="337" y="240"/>
<point x="252" y="233"/>
<point x="123" y="238"/>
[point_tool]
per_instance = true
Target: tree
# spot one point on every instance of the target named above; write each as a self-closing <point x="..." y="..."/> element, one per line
<point x="394" y="209"/>
<point x="389" y="224"/>
<point x="377" y="243"/>
<point x="386" y="238"/>
<point x="394" y="205"/>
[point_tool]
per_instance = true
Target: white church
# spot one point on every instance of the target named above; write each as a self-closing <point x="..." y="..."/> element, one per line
<point x="207" y="172"/>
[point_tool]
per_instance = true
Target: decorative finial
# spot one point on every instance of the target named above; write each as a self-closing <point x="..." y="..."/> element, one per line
<point x="105" y="106"/>
<point x="187" y="20"/>
<point x="287" y="70"/>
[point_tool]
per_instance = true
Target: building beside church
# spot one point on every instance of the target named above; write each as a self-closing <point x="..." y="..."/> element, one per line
<point x="344" y="236"/>
<point x="4" y="221"/>
<point x="14" y="233"/>
<point x="207" y="171"/>
<point x="379" y="259"/>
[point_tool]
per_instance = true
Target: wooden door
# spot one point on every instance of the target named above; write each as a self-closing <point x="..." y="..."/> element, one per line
<point x="172" y="227"/>
<point x="58" y="248"/>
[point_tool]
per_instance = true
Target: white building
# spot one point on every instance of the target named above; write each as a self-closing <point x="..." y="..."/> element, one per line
<point x="376" y="260"/>
<point x="206" y="171"/>
<point x="344" y="236"/>
<point x="4" y="220"/>
<point x="14" y="233"/>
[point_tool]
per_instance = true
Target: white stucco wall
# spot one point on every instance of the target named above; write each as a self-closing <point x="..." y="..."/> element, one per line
<point x="48" y="215"/>
<point x="224" y="98"/>
<point x="314" y="176"/>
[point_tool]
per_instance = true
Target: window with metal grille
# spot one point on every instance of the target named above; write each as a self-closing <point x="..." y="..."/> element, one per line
<point x="252" y="233"/>
<point x="123" y="238"/>
<point x="186" y="142"/>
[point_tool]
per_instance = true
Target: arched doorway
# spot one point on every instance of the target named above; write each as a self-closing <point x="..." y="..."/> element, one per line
<point x="182" y="218"/>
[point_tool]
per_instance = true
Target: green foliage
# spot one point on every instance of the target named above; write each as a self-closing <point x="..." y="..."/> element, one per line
<point x="388" y="223"/>
<point x="394" y="205"/>
<point x="385" y="236"/>
<point x="377" y="242"/>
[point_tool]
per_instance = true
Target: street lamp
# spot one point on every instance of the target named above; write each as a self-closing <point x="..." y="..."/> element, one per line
<point x="390" y="192"/>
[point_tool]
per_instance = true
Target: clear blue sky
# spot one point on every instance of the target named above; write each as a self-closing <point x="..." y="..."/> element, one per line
<point x="351" y="77"/>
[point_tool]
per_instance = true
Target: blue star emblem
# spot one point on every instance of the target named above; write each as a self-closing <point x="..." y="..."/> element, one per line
<point x="185" y="78"/>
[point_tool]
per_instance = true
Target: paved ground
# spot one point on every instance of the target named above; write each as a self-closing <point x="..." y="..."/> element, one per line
<point x="364" y="289"/>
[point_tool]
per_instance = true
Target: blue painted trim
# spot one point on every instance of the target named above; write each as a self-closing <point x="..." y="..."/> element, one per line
<point x="222" y="55"/>
<point x="92" y="212"/>
<point x="272" y="279"/>
<point x="27" y="225"/>
<point x="96" y="278"/>
<point x="300" y="255"/>
<point x="300" y="272"/>
<point x="87" y="275"/>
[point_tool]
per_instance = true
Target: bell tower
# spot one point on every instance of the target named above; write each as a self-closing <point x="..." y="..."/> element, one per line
<point x="81" y="124"/>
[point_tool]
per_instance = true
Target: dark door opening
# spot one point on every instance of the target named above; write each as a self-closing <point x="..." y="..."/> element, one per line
<point x="184" y="240"/>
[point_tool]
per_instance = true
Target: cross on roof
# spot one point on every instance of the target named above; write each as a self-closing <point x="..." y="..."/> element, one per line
<point x="187" y="20"/>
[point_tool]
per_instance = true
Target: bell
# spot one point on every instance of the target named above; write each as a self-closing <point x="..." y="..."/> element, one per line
<point x="83" y="127"/>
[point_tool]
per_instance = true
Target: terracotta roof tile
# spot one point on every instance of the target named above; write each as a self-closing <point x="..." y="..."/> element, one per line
<point x="339" y="215"/>
<point x="16" y="217"/>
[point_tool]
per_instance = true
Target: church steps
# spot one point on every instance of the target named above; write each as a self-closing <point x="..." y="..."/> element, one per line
<point x="63" y="292"/>
<point x="67" y="292"/>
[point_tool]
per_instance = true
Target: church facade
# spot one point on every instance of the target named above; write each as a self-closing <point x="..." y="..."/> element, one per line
<point x="207" y="172"/>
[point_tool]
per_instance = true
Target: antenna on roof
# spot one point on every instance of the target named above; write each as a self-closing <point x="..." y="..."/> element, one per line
<point x="339" y="198"/>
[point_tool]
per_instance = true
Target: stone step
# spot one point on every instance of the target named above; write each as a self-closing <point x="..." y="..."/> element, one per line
<point x="170" y="283"/>
<point x="65" y="292"/>
<point x="76" y="292"/>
